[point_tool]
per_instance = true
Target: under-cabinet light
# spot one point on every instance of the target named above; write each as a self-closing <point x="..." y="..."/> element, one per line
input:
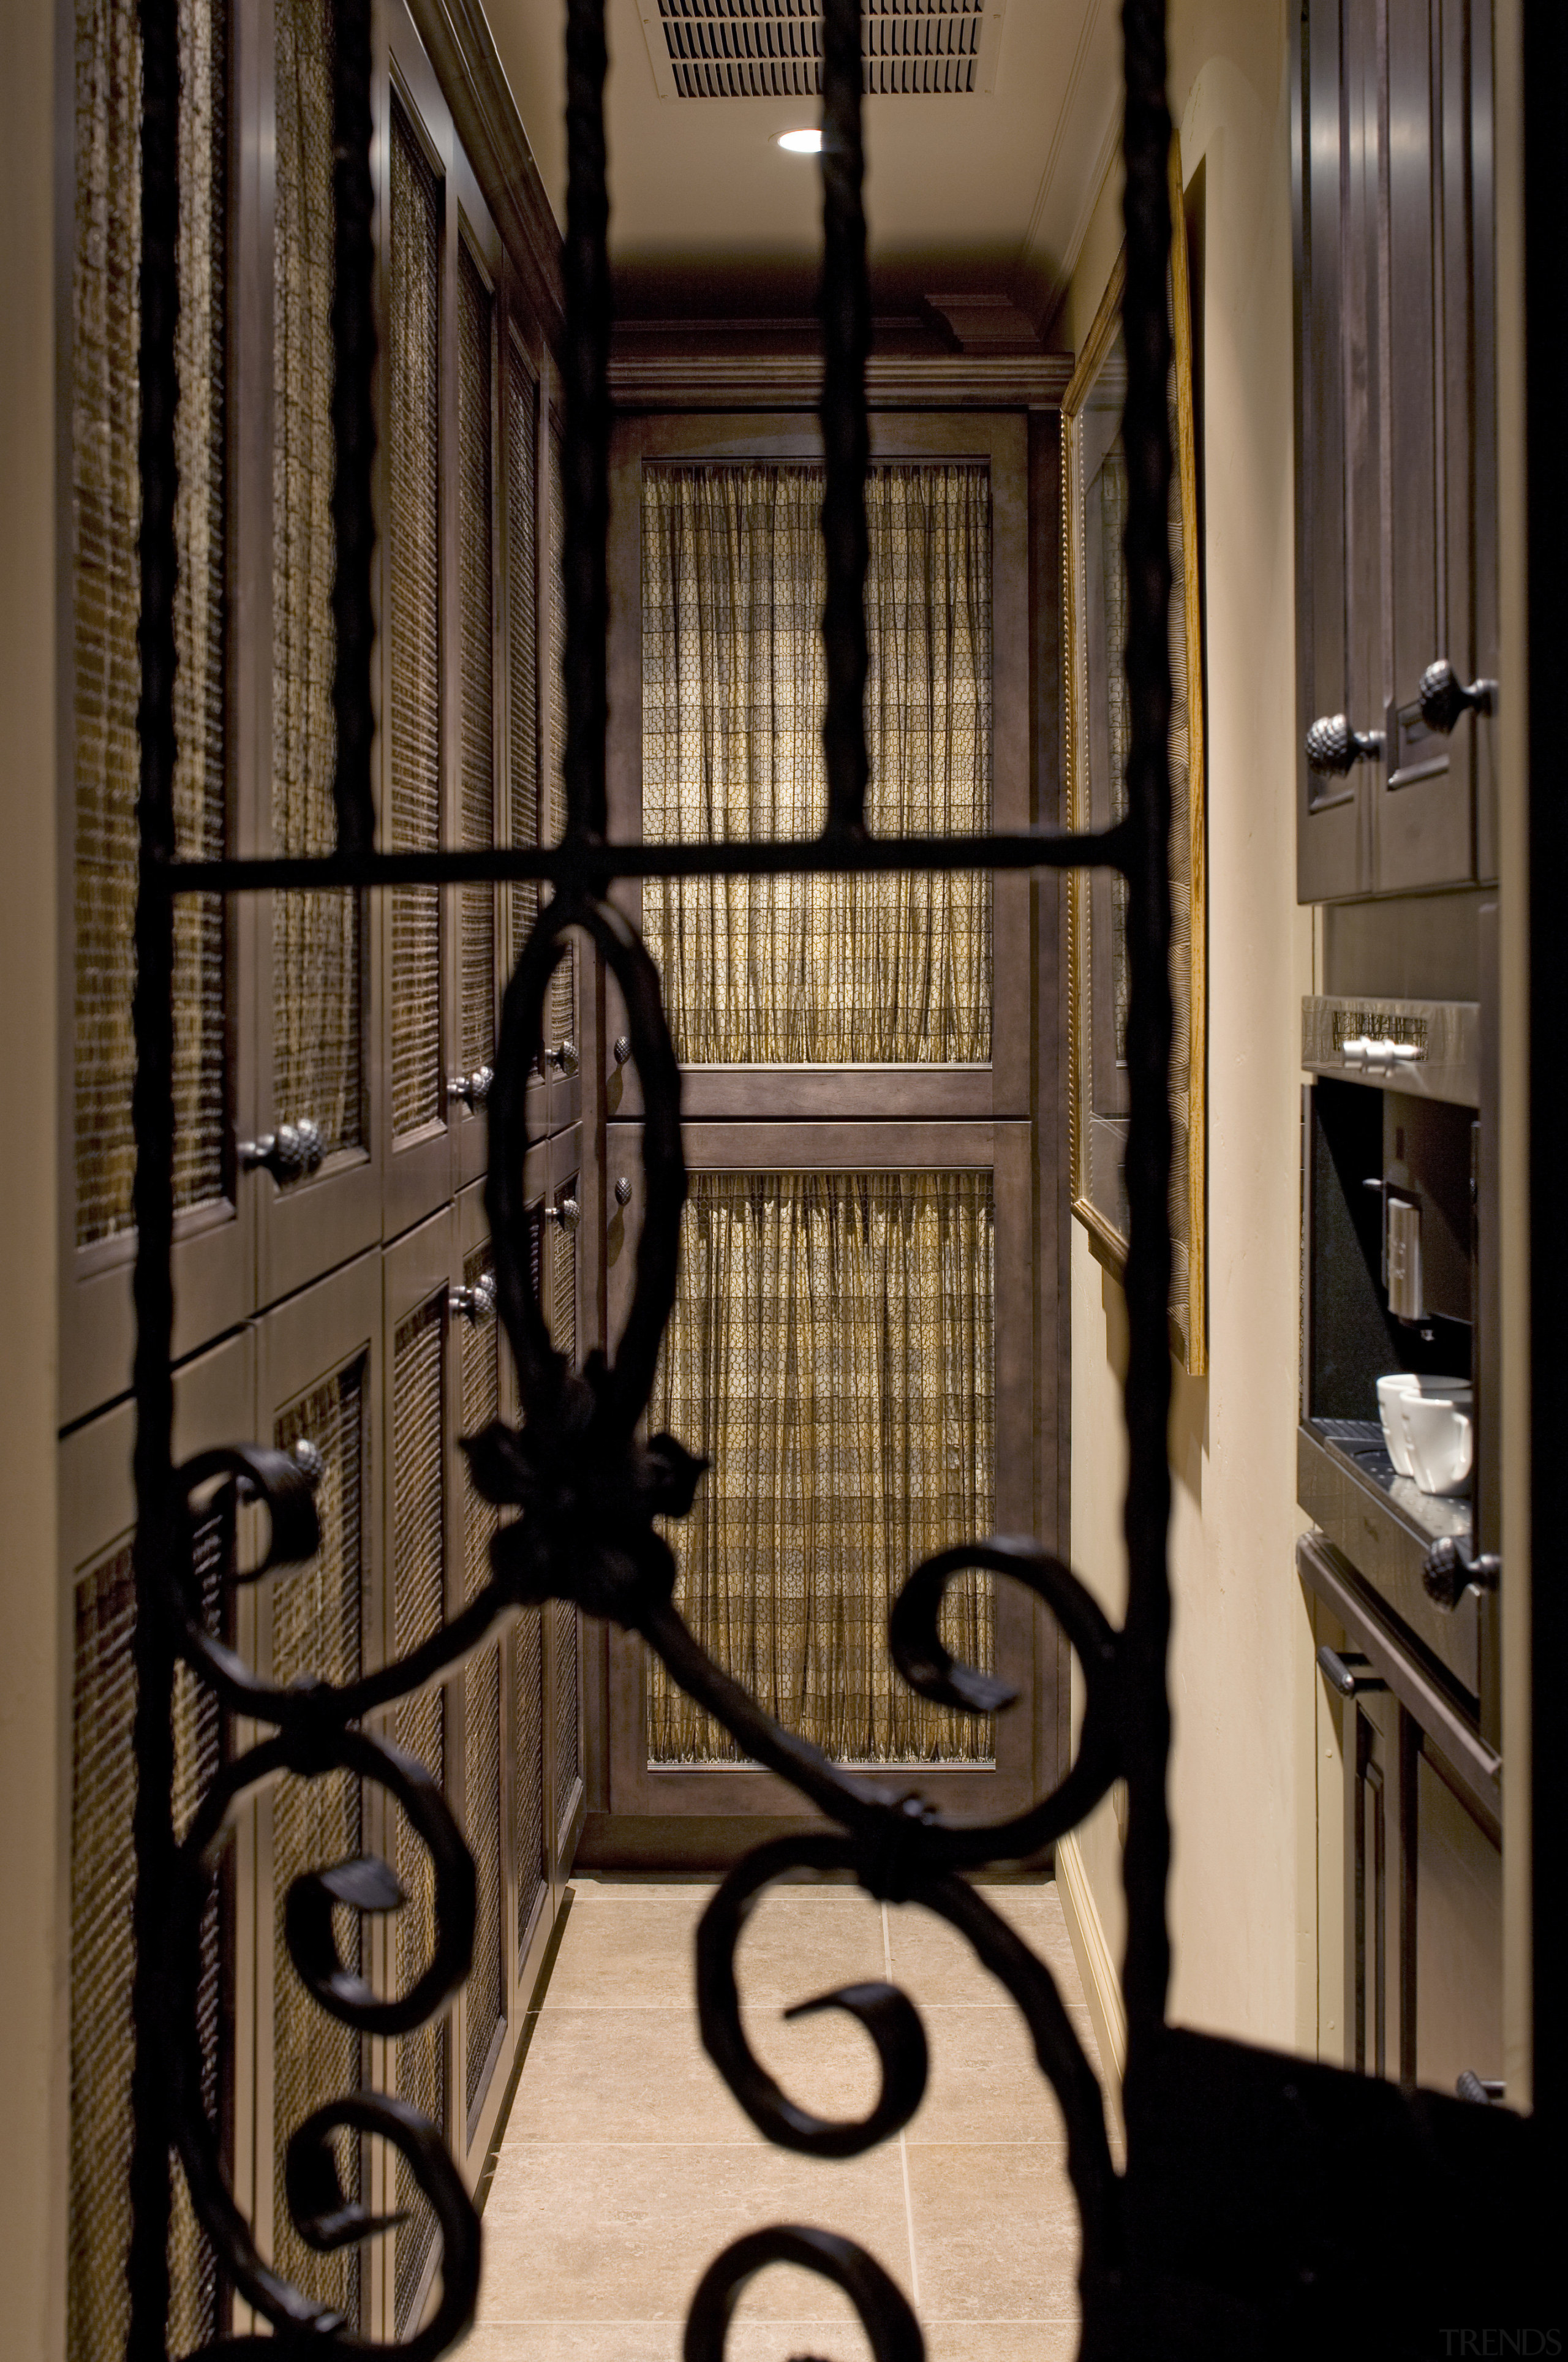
<point x="802" y="143"/>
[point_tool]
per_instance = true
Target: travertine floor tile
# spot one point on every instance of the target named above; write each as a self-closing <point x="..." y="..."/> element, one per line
<point x="610" y="2074"/>
<point x="996" y="2232"/>
<point x="643" y="1954"/>
<point x="625" y="2232"/>
<point x="937" y="1964"/>
<point x="627" y="2164"/>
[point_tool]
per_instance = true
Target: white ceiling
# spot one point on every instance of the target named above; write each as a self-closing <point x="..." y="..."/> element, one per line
<point x="989" y="193"/>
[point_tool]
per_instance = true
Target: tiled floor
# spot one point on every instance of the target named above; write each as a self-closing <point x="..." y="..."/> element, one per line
<point x="626" y="2165"/>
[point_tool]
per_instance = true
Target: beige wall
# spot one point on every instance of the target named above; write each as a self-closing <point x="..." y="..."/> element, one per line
<point x="31" y="2250"/>
<point x="1242" y="1678"/>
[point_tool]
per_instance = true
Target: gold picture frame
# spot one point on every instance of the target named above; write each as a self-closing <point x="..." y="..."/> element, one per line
<point x="1095" y="599"/>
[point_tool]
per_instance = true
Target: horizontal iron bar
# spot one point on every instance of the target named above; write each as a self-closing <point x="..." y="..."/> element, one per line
<point x="592" y="865"/>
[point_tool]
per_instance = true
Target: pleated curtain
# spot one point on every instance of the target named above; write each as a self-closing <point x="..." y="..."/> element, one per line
<point x="831" y="970"/>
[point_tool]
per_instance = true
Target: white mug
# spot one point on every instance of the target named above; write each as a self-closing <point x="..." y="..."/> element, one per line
<point x="1440" y="1438"/>
<point x="1392" y="1389"/>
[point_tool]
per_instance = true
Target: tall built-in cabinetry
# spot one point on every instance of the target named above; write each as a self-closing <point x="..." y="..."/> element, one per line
<point x="331" y="1259"/>
<point x="1397" y="688"/>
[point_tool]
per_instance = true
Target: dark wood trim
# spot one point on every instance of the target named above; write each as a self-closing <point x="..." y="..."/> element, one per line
<point x="686" y="380"/>
<point x="473" y="81"/>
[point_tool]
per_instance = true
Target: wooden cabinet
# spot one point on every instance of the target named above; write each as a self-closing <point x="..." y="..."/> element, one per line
<point x="1396" y="441"/>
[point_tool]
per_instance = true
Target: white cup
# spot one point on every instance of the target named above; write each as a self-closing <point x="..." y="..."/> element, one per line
<point x="1441" y="1438"/>
<point x="1392" y="1389"/>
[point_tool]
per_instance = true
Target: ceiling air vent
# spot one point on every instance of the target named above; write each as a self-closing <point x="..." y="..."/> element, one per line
<point x="772" y="48"/>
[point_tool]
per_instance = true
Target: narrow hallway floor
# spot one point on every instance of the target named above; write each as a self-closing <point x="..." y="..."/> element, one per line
<point x="626" y="2166"/>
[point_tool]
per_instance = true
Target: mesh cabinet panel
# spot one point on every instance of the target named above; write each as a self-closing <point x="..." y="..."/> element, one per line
<point x="522" y="634"/>
<point x="563" y="1335"/>
<point x="563" y="985"/>
<point x="105" y="422"/>
<point x="103" y="1957"/>
<point x="528" y="1771"/>
<point x="414" y="361"/>
<point x="481" y="1710"/>
<point x="419" y="1602"/>
<point x="476" y="310"/>
<point x="529" y="1707"/>
<point x="316" y="1628"/>
<point x="317" y="939"/>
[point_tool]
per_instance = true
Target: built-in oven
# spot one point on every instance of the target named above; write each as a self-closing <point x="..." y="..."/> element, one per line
<point x="1398" y="1451"/>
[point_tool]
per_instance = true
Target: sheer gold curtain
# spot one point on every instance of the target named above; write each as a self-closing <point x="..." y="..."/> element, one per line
<point x="830" y="971"/>
<point x="832" y="1349"/>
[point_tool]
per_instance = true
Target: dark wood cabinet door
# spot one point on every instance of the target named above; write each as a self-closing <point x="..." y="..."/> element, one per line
<point x="1396" y="434"/>
<point x="1435" y="241"/>
<point x="1338" y="488"/>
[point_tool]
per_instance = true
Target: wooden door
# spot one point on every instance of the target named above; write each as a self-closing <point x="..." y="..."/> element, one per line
<point x="319" y="1381"/>
<point x="215" y="1065"/>
<point x="852" y="1132"/>
<point x="1339" y="499"/>
<point x="1395" y="441"/>
<point x="213" y="1402"/>
<point x="1433" y="824"/>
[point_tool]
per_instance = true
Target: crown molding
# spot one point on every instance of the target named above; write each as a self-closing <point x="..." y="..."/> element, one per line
<point x="473" y="82"/>
<point x="740" y="381"/>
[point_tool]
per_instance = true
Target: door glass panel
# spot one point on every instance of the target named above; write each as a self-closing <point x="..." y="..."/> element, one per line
<point x="105" y="519"/>
<point x="829" y="970"/>
<point x="316" y="1618"/>
<point x="830" y="1350"/>
<point x="317" y="1051"/>
<point x="413" y="369"/>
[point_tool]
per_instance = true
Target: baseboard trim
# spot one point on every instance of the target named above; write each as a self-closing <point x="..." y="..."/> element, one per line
<point x="1101" y="1984"/>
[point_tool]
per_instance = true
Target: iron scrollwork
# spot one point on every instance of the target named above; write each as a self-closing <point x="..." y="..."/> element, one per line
<point x="588" y="1487"/>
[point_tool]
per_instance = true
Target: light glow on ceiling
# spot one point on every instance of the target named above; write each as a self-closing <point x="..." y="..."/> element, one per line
<point x="802" y="143"/>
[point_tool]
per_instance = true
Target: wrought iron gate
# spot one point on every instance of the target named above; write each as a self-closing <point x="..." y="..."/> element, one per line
<point x="1269" y="2205"/>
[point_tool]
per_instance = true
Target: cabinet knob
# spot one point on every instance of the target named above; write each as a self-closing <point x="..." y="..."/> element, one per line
<point x="288" y="1154"/>
<point x="1333" y="746"/>
<point x="563" y="1057"/>
<point x="623" y="1191"/>
<point x="623" y="1048"/>
<point x="310" y="1459"/>
<point x="569" y="1213"/>
<point x="472" y="1089"/>
<point x="1479" y="2088"/>
<point x="1448" y="1572"/>
<point x="1445" y="696"/>
<point x="476" y="1305"/>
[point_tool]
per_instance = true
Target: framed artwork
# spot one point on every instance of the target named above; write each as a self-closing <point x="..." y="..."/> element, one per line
<point x="1096" y="604"/>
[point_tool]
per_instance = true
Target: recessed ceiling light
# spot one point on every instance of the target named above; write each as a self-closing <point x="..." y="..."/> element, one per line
<point x="802" y="143"/>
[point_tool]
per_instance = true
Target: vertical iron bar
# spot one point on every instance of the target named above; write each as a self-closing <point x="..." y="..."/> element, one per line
<point x="153" y="1117"/>
<point x="353" y="424"/>
<point x="586" y="455"/>
<point x="846" y="340"/>
<point x="1146" y="443"/>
